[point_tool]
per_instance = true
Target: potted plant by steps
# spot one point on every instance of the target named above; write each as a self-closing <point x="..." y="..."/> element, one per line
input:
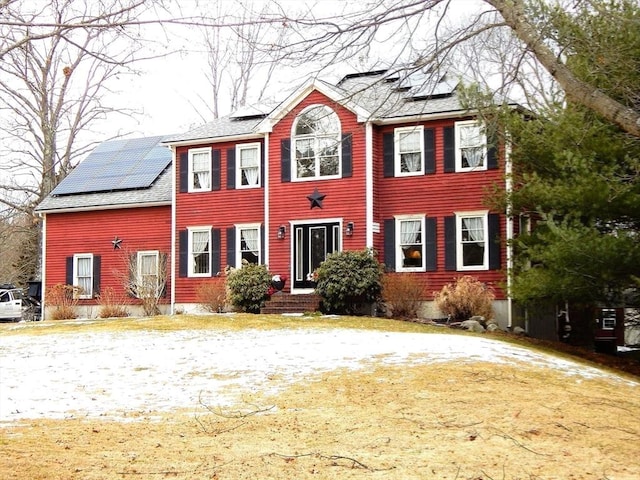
<point x="278" y="282"/>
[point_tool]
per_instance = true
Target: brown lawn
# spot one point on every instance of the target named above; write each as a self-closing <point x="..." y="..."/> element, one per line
<point x="441" y="421"/>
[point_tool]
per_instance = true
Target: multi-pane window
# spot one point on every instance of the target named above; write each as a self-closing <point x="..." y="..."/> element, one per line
<point x="248" y="248"/>
<point x="411" y="244"/>
<point x="199" y="252"/>
<point x="316" y="149"/>
<point x="199" y="169"/>
<point x="473" y="251"/>
<point x="471" y="146"/>
<point x="248" y="171"/>
<point x="147" y="273"/>
<point x="409" y="151"/>
<point x="83" y="275"/>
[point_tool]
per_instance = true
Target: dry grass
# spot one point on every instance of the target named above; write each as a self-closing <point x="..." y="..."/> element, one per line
<point x="443" y="421"/>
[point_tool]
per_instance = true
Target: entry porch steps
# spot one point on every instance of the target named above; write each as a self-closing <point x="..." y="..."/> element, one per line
<point x="280" y="303"/>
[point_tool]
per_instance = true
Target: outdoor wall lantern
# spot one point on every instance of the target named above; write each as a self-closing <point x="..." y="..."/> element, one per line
<point x="282" y="230"/>
<point x="348" y="231"/>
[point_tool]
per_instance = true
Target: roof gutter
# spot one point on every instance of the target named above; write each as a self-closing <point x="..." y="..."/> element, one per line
<point x="91" y="208"/>
<point x="227" y="138"/>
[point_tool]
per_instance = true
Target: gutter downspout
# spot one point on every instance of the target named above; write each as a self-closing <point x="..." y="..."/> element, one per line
<point x="369" y="184"/>
<point x="267" y="227"/>
<point x="173" y="231"/>
<point x="509" y="188"/>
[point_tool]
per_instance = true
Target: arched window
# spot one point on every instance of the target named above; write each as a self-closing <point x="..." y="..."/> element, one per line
<point x="316" y="137"/>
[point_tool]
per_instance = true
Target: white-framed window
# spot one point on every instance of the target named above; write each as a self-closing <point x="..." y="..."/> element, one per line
<point x="248" y="243"/>
<point x="472" y="234"/>
<point x="410" y="241"/>
<point x="147" y="269"/>
<point x="409" y="151"/>
<point x="471" y="146"/>
<point x="83" y="275"/>
<point x="248" y="165"/>
<point x="316" y="144"/>
<point x="608" y="318"/>
<point x="199" y="169"/>
<point x="200" y="252"/>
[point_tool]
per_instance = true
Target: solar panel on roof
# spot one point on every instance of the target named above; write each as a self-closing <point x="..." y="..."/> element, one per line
<point x="118" y="165"/>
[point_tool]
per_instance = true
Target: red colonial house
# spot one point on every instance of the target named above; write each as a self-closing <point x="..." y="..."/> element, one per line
<point x="380" y="161"/>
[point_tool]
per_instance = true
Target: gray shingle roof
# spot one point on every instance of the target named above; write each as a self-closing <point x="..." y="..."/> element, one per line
<point x="219" y="128"/>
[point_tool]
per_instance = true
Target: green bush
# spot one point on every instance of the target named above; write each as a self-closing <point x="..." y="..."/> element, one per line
<point x="248" y="287"/>
<point x="348" y="281"/>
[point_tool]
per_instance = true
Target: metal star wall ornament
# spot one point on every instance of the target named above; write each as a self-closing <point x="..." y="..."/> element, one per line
<point x="116" y="243"/>
<point x="316" y="199"/>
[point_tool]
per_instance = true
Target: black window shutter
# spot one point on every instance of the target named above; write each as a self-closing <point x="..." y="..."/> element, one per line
<point x="431" y="263"/>
<point x="449" y="149"/>
<point x="347" y="161"/>
<point x="164" y="275"/>
<point x="492" y="150"/>
<point x="69" y="271"/>
<point x="215" y="170"/>
<point x="133" y="270"/>
<point x="450" y="243"/>
<point x="285" y="159"/>
<point x="390" y="245"/>
<point x="388" y="154"/>
<point x="97" y="264"/>
<point x="262" y="233"/>
<point x="215" y="251"/>
<point x="231" y="247"/>
<point x="183" y="255"/>
<point x="494" y="241"/>
<point x="429" y="150"/>
<point x="262" y="153"/>
<point x="231" y="168"/>
<point x="184" y="172"/>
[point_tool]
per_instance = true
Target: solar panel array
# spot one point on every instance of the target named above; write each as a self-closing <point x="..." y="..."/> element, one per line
<point x="118" y="165"/>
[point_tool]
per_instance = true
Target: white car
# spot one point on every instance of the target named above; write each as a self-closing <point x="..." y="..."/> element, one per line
<point x="10" y="303"/>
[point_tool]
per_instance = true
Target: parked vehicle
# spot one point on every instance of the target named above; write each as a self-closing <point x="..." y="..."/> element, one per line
<point x="10" y="302"/>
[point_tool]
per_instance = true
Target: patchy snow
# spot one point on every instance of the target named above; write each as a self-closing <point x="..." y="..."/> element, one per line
<point x="122" y="374"/>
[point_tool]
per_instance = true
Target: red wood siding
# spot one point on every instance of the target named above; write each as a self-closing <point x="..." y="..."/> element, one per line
<point x="220" y="209"/>
<point x="93" y="231"/>
<point x="345" y="197"/>
<point x="436" y="195"/>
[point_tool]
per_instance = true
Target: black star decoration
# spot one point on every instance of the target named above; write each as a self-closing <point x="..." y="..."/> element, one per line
<point x="116" y="243"/>
<point x="316" y="198"/>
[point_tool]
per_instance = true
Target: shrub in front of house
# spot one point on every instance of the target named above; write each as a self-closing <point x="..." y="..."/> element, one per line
<point x="402" y="294"/>
<point x="212" y="295"/>
<point x="466" y="297"/>
<point x="111" y="304"/>
<point x="248" y="287"/>
<point x="62" y="300"/>
<point x="349" y="281"/>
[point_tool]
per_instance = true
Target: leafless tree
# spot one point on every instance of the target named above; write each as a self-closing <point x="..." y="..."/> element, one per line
<point x="237" y="66"/>
<point x="418" y="33"/>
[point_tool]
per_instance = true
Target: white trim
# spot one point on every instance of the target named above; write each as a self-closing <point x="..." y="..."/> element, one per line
<point x="76" y="257"/>
<point x="104" y="207"/>
<point x="484" y="214"/>
<point x="238" y="252"/>
<point x="267" y="221"/>
<point x="141" y="253"/>
<point x="247" y="146"/>
<point x="174" y="259"/>
<point x="207" y="140"/>
<point x="266" y="125"/>
<point x="397" y="170"/>
<point x="43" y="269"/>
<point x="191" y="153"/>
<point x="398" y="250"/>
<point x="294" y="138"/>
<point x="190" y="264"/>
<point x="368" y="166"/>
<point x="458" y="155"/>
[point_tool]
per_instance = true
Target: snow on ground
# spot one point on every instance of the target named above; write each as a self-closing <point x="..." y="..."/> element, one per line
<point x="120" y="374"/>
